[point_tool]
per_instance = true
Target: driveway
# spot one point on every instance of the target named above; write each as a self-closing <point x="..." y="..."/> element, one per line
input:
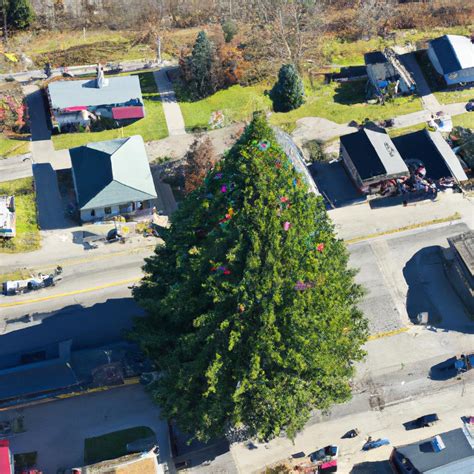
<point x="57" y="430"/>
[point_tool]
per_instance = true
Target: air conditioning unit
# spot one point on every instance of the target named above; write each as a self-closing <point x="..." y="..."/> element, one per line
<point x="437" y="444"/>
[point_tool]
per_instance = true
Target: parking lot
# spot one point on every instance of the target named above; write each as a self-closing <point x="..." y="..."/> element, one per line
<point x="404" y="275"/>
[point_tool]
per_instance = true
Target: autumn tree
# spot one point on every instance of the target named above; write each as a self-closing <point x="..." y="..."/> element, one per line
<point x="251" y="307"/>
<point x="288" y="92"/>
<point x="200" y="158"/>
<point x="373" y="16"/>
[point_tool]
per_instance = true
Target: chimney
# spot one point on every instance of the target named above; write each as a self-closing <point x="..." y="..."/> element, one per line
<point x="101" y="81"/>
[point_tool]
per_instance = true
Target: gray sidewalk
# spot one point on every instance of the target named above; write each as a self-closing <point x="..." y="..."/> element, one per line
<point x="173" y="115"/>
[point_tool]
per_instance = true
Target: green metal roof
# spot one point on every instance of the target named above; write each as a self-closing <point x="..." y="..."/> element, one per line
<point x="112" y="173"/>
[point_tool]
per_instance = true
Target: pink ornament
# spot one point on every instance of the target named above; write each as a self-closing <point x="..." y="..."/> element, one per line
<point x="283" y="199"/>
<point x="286" y="226"/>
<point x="320" y="247"/>
<point x="223" y="188"/>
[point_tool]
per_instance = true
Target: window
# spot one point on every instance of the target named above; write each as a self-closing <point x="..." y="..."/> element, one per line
<point x="93" y="213"/>
<point x="108" y="210"/>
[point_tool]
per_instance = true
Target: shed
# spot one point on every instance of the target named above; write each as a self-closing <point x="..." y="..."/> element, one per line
<point x="371" y="158"/>
<point x="431" y="149"/>
<point x="453" y="57"/>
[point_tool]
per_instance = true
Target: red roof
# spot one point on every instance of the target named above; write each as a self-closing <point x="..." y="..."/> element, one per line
<point x="130" y="112"/>
<point x="5" y="465"/>
<point x="328" y="464"/>
<point x="76" y="108"/>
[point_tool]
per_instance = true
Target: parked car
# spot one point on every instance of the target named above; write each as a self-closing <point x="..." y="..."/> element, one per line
<point x="323" y="454"/>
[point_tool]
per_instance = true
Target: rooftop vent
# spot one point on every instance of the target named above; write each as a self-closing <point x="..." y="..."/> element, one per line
<point x="437" y="444"/>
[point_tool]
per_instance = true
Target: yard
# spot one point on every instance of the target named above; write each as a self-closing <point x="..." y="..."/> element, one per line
<point x="27" y="232"/>
<point x="113" y="445"/>
<point x="340" y="103"/>
<point x="451" y="97"/>
<point x="152" y="127"/>
<point x="464" y="120"/>
<point x="10" y="147"/>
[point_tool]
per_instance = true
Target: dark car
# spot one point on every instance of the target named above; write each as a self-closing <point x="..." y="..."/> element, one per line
<point x="322" y="454"/>
<point x="426" y="420"/>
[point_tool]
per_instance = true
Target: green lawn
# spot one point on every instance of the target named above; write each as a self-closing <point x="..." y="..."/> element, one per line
<point x="237" y="103"/>
<point x="340" y="103"/>
<point x="27" y="232"/>
<point x="464" y="120"/>
<point x="396" y="132"/>
<point x="152" y="127"/>
<point x="451" y="97"/>
<point x="9" y="147"/>
<point x="343" y="103"/>
<point x="113" y="445"/>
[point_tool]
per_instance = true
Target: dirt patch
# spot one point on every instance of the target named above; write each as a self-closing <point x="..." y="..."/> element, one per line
<point x="105" y="51"/>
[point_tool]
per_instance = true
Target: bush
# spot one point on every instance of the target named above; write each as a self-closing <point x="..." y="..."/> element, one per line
<point x="229" y="29"/>
<point x="315" y="151"/>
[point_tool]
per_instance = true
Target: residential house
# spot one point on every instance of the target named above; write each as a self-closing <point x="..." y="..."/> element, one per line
<point x="453" y="57"/>
<point x="137" y="463"/>
<point x="371" y="159"/>
<point x="7" y="217"/>
<point x="384" y="68"/>
<point x="6" y="458"/>
<point x="112" y="178"/>
<point x="79" y="102"/>
<point x="430" y="150"/>
<point x="449" y="452"/>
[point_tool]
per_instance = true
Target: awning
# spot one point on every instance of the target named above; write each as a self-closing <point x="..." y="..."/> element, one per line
<point x="130" y="112"/>
<point x="75" y="108"/>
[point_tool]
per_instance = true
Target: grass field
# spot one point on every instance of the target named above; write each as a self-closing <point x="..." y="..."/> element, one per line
<point x="237" y="103"/>
<point x="113" y="445"/>
<point x="451" y="97"/>
<point x="343" y="103"/>
<point x="396" y="132"/>
<point x="152" y="127"/>
<point x="464" y="120"/>
<point x="27" y="232"/>
<point x="340" y="103"/>
<point x="9" y="147"/>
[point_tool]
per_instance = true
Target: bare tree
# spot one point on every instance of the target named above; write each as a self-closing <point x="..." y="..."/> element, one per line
<point x="199" y="160"/>
<point x="373" y="16"/>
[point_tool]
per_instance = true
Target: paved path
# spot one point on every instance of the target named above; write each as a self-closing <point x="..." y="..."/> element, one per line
<point x="173" y="115"/>
<point x="430" y="102"/>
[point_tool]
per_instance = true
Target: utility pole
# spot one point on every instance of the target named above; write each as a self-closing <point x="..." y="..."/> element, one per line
<point x="158" y="48"/>
<point x="5" y="26"/>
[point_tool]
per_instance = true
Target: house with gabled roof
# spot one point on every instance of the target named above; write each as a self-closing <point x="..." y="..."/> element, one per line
<point x="80" y="101"/>
<point x="453" y="57"/>
<point x="112" y="178"/>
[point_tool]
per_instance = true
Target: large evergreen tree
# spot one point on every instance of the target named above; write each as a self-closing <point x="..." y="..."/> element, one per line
<point x="20" y="13"/>
<point x="202" y="64"/>
<point x="288" y="92"/>
<point x="251" y="307"/>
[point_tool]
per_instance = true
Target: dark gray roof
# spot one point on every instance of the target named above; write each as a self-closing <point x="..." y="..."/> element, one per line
<point x="424" y="458"/>
<point x="453" y="52"/>
<point x="374" y="57"/>
<point x="120" y="90"/>
<point x="464" y="244"/>
<point x="431" y="149"/>
<point x="112" y="173"/>
<point x="36" y="378"/>
<point x="373" y="154"/>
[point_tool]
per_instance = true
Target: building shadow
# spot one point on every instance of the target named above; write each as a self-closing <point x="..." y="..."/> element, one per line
<point x="40" y="122"/>
<point x="429" y="291"/>
<point x="87" y="327"/>
<point x="351" y="92"/>
<point x="375" y="467"/>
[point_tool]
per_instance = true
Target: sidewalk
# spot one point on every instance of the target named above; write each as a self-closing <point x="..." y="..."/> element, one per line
<point x="360" y="220"/>
<point x="173" y="115"/>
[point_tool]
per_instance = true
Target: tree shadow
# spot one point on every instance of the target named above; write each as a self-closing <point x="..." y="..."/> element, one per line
<point x="350" y="92"/>
<point x="429" y="291"/>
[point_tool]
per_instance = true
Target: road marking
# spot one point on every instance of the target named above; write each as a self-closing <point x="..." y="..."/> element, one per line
<point x="454" y="217"/>
<point x="394" y="332"/>
<point x="70" y="293"/>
